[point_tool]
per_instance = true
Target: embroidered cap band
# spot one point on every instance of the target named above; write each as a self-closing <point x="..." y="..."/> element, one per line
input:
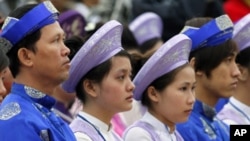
<point x="212" y="33"/>
<point x="172" y="54"/>
<point x="101" y="46"/>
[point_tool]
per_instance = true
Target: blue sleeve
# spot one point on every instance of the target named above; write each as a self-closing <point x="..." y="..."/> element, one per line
<point x="18" y="130"/>
<point x="187" y="132"/>
<point x="220" y="104"/>
<point x="223" y="130"/>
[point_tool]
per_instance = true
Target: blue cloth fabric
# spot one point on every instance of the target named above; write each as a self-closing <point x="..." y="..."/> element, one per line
<point x="201" y="127"/>
<point x="220" y="104"/>
<point x="25" y="115"/>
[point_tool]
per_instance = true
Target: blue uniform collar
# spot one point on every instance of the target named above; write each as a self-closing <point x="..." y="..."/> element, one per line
<point x="204" y="109"/>
<point x="33" y="95"/>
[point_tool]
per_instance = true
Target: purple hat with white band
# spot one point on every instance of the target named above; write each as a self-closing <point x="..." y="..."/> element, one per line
<point x="171" y="55"/>
<point x="101" y="46"/>
<point x="146" y="26"/>
<point x="241" y="34"/>
<point x="14" y="30"/>
<point x="73" y="23"/>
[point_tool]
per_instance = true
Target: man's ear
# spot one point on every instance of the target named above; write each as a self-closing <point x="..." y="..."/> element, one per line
<point x="90" y="87"/>
<point x="192" y="63"/>
<point x="153" y="94"/>
<point x="25" y="56"/>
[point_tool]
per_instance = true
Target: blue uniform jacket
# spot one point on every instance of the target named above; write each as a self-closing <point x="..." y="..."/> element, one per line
<point x="200" y="127"/>
<point x="25" y="115"/>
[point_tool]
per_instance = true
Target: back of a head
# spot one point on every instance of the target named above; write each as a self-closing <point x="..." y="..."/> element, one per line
<point x="198" y="21"/>
<point x="91" y="28"/>
<point x="149" y="45"/>
<point x="240" y="36"/>
<point x="128" y="40"/>
<point x="243" y="58"/>
<point x="4" y="61"/>
<point x="74" y="43"/>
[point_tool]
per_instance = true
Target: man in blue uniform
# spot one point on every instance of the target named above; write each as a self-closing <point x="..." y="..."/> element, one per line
<point x="213" y="57"/>
<point x="39" y="63"/>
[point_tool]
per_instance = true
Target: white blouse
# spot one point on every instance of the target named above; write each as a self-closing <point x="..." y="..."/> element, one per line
<point x="139" y="134"/>
<point x="103" y="128"/>
<point x="240" y="109"/>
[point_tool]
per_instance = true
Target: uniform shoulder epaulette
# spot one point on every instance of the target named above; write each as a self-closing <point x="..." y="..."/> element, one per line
<point x="10" y="110"/>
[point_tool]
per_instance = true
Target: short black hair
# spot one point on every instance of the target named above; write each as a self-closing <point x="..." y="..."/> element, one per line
<point x="4" y="61"/>
<point x="208" y="58"/>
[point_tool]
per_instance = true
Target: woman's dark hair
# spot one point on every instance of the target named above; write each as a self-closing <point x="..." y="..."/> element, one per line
<point x="243" y="58"/>
<point x="198" y="22"/>
<point x="129" y="43"/>
<point x="97" y="74"/>
<point x="128" y="40"/>
<point x="4" y="61"/>
<point x="27" y="42"/>
<point x="149" y="44"/>
<point x="208" y="58"/>
<point x="161" y="83"/>
<point x="90" y="32"/>
<point x="74" y="43"/>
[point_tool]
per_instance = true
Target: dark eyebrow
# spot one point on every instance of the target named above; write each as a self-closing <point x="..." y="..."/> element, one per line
<point x="188" y="83"/>
<point x="125" y="71"/>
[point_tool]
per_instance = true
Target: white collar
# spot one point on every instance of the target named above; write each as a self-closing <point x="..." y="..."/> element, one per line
<point x="243" y="107"/>
<point x="157" y="124"/>
<point x="100" y="125"/>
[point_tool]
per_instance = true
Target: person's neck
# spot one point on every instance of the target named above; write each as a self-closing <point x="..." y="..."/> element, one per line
<point x="165" y="121"/>
<point x="242" y="94"/>
<point x="205" y="96"/>
<point x="46" y="88"/>
<point x="98" y="112"/>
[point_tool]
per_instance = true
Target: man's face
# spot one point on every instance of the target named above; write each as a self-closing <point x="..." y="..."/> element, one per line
<point x="223" y="79"/>
<point x="51" y="62"/>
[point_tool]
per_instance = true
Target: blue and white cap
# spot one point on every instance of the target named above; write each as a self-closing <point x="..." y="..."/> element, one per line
<point x="14" y="30"/>
<point x="213" y="33"/>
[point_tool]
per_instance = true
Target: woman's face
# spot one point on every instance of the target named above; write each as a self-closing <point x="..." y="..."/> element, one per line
<point x="175" y="102"/>
<point x="51" y="48"/>
<point x="3" y="90"/>
<point x="115" y="92"/>
<point x="8" y="80"/>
